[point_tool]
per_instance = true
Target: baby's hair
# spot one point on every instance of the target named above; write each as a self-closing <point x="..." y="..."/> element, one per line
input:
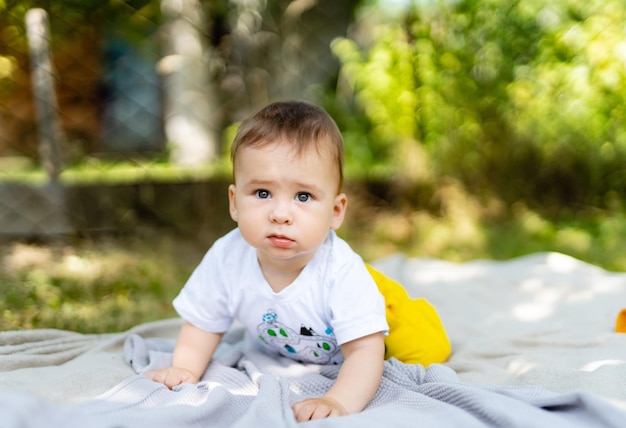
<point x="301" y="124"/>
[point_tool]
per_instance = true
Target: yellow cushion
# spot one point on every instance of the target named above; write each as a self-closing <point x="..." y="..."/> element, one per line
<point x="416" y="334"/>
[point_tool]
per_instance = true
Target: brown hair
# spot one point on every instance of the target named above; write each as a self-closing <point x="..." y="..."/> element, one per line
<point x="299" y="123"/>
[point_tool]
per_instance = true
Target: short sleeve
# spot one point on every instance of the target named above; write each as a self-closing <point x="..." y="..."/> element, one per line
<point x="357" y="307"/>
<point x="203" y="301"/>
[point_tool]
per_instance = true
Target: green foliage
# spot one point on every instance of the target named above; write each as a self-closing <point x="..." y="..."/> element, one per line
<point x="522" y="99"/>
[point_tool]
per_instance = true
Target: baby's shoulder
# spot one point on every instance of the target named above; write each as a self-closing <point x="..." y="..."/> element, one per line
<point x="340" y="252"/>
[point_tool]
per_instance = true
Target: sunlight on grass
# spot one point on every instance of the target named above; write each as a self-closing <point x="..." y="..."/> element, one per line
<point x="104" y="286"/>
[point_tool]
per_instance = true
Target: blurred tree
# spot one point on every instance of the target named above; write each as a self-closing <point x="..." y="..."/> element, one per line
<point x="523" y="99"/>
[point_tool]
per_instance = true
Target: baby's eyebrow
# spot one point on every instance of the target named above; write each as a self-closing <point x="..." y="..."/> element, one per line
<point x="258" y="182"/>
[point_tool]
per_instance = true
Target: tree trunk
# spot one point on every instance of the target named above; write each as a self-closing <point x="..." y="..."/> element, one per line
<point x="191" y="115"/>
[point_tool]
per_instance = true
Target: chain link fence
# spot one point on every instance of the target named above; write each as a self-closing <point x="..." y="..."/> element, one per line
<point x="142" y="83"/>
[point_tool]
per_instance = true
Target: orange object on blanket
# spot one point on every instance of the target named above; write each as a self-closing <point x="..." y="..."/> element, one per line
<point x="620" y="323"/>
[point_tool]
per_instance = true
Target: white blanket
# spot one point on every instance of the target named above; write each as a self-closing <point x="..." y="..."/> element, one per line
<point x="544" y="320"/>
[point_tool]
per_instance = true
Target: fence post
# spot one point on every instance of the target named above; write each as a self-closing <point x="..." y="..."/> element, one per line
<point x="49" y="127"/>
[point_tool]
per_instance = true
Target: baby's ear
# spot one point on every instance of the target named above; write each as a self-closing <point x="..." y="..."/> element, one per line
<point x="339" y="210"/>
<point x="232" y="204"/>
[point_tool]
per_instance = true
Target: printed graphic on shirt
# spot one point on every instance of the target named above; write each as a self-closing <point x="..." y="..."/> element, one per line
<point x="305" y="345"/>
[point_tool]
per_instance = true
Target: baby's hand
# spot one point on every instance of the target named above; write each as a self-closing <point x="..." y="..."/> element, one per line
<point x="172" y="376"/>
<point x="317" y="408"/>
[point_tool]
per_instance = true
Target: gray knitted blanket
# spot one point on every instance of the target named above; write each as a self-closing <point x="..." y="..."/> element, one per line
<point x="244" y="388"/>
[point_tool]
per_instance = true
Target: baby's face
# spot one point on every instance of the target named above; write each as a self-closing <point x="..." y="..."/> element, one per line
<point x="285" y="203"/>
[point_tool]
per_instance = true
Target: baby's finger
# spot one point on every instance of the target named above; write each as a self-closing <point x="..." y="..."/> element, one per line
<point x="321" y="412"/>
<point x="159" y="376"/>
<point x="173" y="379"/>
<point x="303" y="411"/>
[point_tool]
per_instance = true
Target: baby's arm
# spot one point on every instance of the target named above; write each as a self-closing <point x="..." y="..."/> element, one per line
<point x="356" y="384"/>
<point x="192" y="354"/>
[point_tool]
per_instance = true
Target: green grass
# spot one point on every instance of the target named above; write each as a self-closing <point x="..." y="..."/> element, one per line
<point x="112" y="283"/>
<point x="102" y="171"/>
<point x="92" y="286"/>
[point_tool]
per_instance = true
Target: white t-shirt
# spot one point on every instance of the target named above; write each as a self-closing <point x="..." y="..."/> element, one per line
<point x="334" y="300"/>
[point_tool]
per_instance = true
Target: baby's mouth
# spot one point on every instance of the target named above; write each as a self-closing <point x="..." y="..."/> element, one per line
<point x="281" y="241"/>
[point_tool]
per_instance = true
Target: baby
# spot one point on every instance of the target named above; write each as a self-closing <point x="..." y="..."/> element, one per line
<point x="300" y="290"/>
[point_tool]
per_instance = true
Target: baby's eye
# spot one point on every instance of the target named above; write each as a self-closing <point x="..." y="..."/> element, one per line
<point x="303" y="196"/>
<point x="262" y="194"/>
